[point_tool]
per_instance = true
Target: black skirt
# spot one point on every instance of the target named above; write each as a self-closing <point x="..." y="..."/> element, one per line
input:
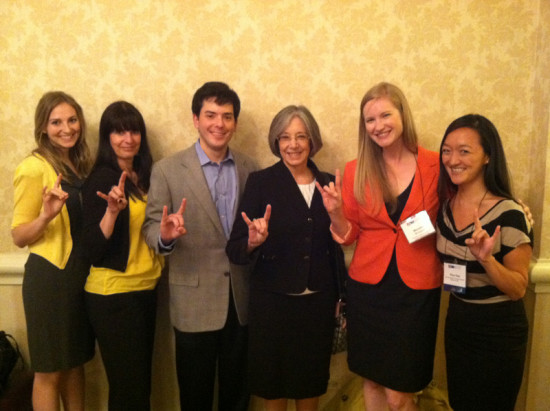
<point x="485" y="346"/>
<point x="58" y="330"/>
<point x="392" y="331"/>
<point x="290" y="340"/>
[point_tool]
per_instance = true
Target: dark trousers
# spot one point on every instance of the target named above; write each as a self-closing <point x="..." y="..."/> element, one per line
<point x="124" y="325"/>
<point x="198" y="354"/>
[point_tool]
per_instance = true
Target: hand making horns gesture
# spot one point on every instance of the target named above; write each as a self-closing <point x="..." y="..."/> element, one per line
<point x="172" y="226"/>
<point x="54" y="199"/>
<point x="332" y="193"/>
<point x="481" y="244"/>
<point x="116" y="199"/>
<point x="257" y="228"/>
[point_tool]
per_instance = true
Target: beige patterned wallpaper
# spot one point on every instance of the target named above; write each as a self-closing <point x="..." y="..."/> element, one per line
<point x="450" y="57"/>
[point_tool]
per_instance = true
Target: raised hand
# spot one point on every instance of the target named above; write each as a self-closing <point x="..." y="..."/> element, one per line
<point x="116" y="199"/>
<point x="257" y="228"/>
<point x="172" y="226"/>
<point x="481" y="244"/>
<point x="52" y="203"/>
<point x="332" y="200"/>
<point x="332" y="194"/>
<point x="53" y="199"/>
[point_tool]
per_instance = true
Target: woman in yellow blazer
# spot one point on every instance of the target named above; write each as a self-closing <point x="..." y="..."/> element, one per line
<point x="47" y="218"/>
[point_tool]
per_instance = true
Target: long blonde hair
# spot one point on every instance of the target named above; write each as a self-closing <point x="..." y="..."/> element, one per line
<point x="371" y="169"/>
<point x="79" y="155"/>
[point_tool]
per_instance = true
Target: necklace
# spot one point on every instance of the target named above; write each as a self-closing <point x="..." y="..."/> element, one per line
<point x="453" y="202"/>
<point x="473" y="225"/>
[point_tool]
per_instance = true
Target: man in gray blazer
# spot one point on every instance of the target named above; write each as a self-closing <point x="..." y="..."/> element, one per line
<point x="208" y="295"/>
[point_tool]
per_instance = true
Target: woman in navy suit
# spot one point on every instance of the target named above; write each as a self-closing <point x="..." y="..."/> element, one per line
<point x="285" y="229"/>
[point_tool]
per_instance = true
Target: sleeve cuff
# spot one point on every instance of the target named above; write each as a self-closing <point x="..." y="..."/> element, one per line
<point x="337" y="238"/>
<point x="166" y="248"/>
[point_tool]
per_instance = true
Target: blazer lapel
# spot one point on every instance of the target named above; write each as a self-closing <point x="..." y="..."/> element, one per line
<point x="243" y="170"/>
<point x="290" y="192"/>
<point x="382" y="216"/>
<point x="424" y="179"/>
<point x="199" y="187"/>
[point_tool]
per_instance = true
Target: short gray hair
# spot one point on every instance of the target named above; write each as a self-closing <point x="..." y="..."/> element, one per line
<point x="281" y="121"/>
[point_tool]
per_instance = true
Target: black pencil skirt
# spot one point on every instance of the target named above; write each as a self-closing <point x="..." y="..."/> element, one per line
<point x="290" y="341"/>
<point x="485" y="346"/>
<point x="58" y="330"/>
<point x="392" y="332"/>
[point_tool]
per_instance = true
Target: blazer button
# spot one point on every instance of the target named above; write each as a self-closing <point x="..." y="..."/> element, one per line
<point x="309" y="220"/>
<point x="227" y="274"/>
<point x="306" y="257"/>
<point x="395" y="231"/>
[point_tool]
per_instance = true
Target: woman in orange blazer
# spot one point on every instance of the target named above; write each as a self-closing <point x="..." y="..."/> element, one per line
<point x="388" y="205"/>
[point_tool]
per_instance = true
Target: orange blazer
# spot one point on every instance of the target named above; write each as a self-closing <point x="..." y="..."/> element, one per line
<point x="377" y="235"/>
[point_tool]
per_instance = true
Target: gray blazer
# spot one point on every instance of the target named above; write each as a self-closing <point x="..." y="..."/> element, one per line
<point x="200" y="273"/>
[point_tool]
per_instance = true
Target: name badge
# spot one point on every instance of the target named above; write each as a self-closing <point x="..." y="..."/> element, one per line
<point x="454" y="277"/>
<point x="417" y="227"/>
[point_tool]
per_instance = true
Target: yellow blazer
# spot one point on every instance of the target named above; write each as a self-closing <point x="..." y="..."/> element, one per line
<point x="31" y="176"/>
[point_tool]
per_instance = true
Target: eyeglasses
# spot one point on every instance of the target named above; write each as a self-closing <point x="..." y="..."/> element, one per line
<point x="299" y="138"/>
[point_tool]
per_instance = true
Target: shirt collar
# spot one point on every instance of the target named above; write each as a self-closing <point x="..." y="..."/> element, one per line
<point x="203" y="158"/>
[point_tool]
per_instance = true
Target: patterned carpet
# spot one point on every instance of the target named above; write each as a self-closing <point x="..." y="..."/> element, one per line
<point x="350" y="398"/>
<point x="345" y="392"/>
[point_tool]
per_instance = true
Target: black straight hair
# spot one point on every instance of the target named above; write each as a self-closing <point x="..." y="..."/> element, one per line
<point x="495" y="174"/>
<point x="118" y="117"/>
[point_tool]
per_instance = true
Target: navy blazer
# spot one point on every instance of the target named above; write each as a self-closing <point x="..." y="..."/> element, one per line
<point x="298" y="250"/>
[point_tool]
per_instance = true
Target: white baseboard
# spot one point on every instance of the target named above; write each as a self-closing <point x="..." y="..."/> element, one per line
<point x="12" y="267"/>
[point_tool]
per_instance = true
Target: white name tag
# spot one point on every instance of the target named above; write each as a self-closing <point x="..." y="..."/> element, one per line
<point x="454" y="277"/>
<point x="417" y="226"/>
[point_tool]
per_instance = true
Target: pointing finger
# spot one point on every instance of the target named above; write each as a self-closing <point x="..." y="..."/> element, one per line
<point x="497" y="232"/>
<point x="58" y="193"/>
<point x="477" y="222"/>
<point x="182" y="206"/>
<point x="58" y="180"/>
<point x="319" y="187"/>
<point x="246" y="219"/>
<point x="122" y="181"/>
<point x="103" y="196"/>
<point x="267" y="214"/>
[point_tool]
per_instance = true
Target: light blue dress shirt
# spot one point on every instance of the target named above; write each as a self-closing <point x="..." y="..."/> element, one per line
<point x="222" y="183"/>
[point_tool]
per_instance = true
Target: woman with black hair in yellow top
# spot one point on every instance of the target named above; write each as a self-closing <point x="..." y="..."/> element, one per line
<point x="47" y="218"/>
<point x="121" y="287"/>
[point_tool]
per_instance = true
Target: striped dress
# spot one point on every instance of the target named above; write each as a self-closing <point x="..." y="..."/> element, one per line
<point x="485" y="331"/>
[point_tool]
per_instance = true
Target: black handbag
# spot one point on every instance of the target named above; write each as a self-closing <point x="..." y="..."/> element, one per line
<point x="9" y="355"/>
<point x="340" y="338"/>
